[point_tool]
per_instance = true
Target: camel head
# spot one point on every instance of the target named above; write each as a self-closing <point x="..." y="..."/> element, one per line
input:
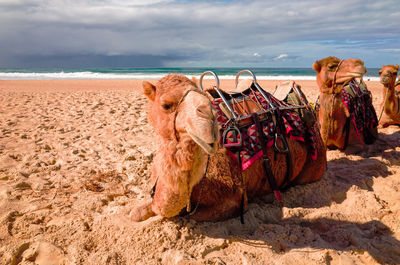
<point x="194" y="117"/>
<point x="388" y="74"/>
<point x="186" y="129"/>
<point x="332" y="69"/>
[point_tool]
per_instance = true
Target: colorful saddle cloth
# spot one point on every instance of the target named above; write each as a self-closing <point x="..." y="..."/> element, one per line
<point x="397" y="86"/>
<point x="251" y="148"/>
<point x="358" y="101"/>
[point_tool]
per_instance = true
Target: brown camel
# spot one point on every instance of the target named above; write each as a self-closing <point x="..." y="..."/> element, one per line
<point x="337" y="126"/>
<point x="188" y="146"/>
<point x="390" y="107"/>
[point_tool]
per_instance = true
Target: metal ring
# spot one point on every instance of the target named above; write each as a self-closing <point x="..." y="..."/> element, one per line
<point x="245" y="71"/>
<point x="208" y="72"/>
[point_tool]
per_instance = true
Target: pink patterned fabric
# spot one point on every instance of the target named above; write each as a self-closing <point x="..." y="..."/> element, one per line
<point x="362" y="112"/>
<point x="251" y="149"/>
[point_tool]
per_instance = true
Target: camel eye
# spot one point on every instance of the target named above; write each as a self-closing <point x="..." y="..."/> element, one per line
<point x="167" y="106"/>
<point x="332" y="66"/>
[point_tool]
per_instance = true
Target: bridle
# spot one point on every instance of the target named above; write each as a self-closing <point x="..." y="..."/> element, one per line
<point x="335" y="94"/>
<point x="384" y="98"/>
<point x="334" y="77"/>
<point x="188" y="205"/>
<point x="176" y="110"/>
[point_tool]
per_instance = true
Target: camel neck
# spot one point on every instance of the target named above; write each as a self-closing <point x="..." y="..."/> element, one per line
<point x="334" y="89"/>
<point x="387" y="91"/>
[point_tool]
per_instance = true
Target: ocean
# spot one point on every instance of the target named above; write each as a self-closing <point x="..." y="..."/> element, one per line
<point x="156" y="73"/>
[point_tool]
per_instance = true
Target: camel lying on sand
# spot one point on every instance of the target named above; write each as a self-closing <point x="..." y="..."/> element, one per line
<point x="341" y="128"/>
<point x="390" y="107"/>
<point x="191" y="168"/>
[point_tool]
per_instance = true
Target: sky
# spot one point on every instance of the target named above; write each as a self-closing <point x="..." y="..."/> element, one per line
<point x="179" y="33"/>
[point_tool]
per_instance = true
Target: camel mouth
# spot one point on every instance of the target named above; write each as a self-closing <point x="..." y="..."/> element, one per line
<point x="357" y="74"/>
<point x="385" y="80"/>
<point x="209" y="148"/>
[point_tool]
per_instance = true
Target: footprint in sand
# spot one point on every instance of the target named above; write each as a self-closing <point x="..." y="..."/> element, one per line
<point x="40" y="253"/>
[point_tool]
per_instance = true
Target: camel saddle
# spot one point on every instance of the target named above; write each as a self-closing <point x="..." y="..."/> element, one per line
<point x="358" y="101"/>
<point x="252" y="120"/>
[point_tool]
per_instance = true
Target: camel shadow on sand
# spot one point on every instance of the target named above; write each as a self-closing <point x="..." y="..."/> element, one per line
<point x="386" y="143"/>
<point x="267" y="227"/>
<point x="325" y="233"/>
<point x="344" y="173"/>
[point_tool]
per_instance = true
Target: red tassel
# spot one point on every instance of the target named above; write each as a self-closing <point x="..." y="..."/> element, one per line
<point x="278" y="195"/>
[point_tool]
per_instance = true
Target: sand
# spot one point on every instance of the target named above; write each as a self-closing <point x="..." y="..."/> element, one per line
<point x="75" y="157"/>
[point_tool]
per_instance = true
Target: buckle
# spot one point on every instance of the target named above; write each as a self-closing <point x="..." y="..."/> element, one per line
<point x="277" y="148"/>
<point x="236" y="135"/>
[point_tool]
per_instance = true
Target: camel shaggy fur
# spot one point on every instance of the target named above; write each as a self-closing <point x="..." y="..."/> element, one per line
<point x="390" y="107"/>
<point x="333" y="75"/>
<point x="186" y="132"/>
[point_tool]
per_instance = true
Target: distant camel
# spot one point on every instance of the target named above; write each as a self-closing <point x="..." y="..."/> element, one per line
<point x="340" y="117"/>
<point x="390" y="107"/>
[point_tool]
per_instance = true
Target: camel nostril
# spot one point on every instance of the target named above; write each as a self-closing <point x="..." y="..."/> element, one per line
<point x="202" y="112"/>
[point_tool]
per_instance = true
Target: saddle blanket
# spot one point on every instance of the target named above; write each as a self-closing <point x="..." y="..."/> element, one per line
<point x="358" y="102"/>
<point x="251" y="149"/>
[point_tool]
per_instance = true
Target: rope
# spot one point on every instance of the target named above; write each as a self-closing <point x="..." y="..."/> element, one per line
<point x="201" y="190"/>
<point x="383" y="105"/>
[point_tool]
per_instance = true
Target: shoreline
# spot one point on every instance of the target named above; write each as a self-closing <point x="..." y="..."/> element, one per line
<point x="309" y="87"/>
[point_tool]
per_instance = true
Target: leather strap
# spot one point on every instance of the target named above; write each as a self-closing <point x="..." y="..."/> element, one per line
<point x="266" y="161"/>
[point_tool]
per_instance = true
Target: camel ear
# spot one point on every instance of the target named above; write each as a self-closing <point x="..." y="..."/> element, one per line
<point x="397" y="67"/>
<point x="149" y="90"/>
<point x="316" y="66"/>
<point x="195" y="81"/>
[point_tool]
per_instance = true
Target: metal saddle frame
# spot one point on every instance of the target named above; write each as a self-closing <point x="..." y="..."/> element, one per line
<point x="242" y="110"/>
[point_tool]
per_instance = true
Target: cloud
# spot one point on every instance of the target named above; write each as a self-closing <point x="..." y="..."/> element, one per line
<point x="281" y="56"/>
<point x="199" y="32"/>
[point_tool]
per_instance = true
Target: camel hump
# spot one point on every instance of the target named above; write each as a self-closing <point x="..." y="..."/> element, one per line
<point x="283" y="89"/>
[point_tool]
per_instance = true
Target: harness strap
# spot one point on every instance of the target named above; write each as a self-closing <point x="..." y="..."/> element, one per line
<point x="176" y="109"/>
<point x="281" y="132"/>
<point x="346" y="129"/>
<point x="201" y="190"/>
<point x="334" y="77"/>
<point x="153" y="189"/>
<point x="241" y="209"/>
<point x="266" y="161"/>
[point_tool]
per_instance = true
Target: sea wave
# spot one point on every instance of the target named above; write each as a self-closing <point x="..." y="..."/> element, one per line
<point x="94" y="75"/>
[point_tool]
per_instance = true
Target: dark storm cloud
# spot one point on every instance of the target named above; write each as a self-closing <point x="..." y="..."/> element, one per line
<point x="91" y="61"/>
<point x="197" y="33"/>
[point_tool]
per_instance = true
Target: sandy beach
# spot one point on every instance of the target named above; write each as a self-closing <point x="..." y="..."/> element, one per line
<point x="75" y="157"/>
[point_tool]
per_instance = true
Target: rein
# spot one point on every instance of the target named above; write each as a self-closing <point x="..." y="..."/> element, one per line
<point x="334" y="94"/>
<point x="334" y="77"/>
<point x="188" y="206"/>
<point x="384" y="99"/>
<point x="176" y="110"/>
<point x="383" y="105"/>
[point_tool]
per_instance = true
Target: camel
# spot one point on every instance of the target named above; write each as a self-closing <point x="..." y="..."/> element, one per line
<point x="390" y="107"/>
<point x="337" y="123"/>
<point x="190" y="168"/>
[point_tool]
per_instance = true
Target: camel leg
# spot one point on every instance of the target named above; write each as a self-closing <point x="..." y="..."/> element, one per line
<point x="142" y="212"/>
<point x="356" y="143"/>
<point x="313" y="170"/>
<point x="220" y="211"/>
